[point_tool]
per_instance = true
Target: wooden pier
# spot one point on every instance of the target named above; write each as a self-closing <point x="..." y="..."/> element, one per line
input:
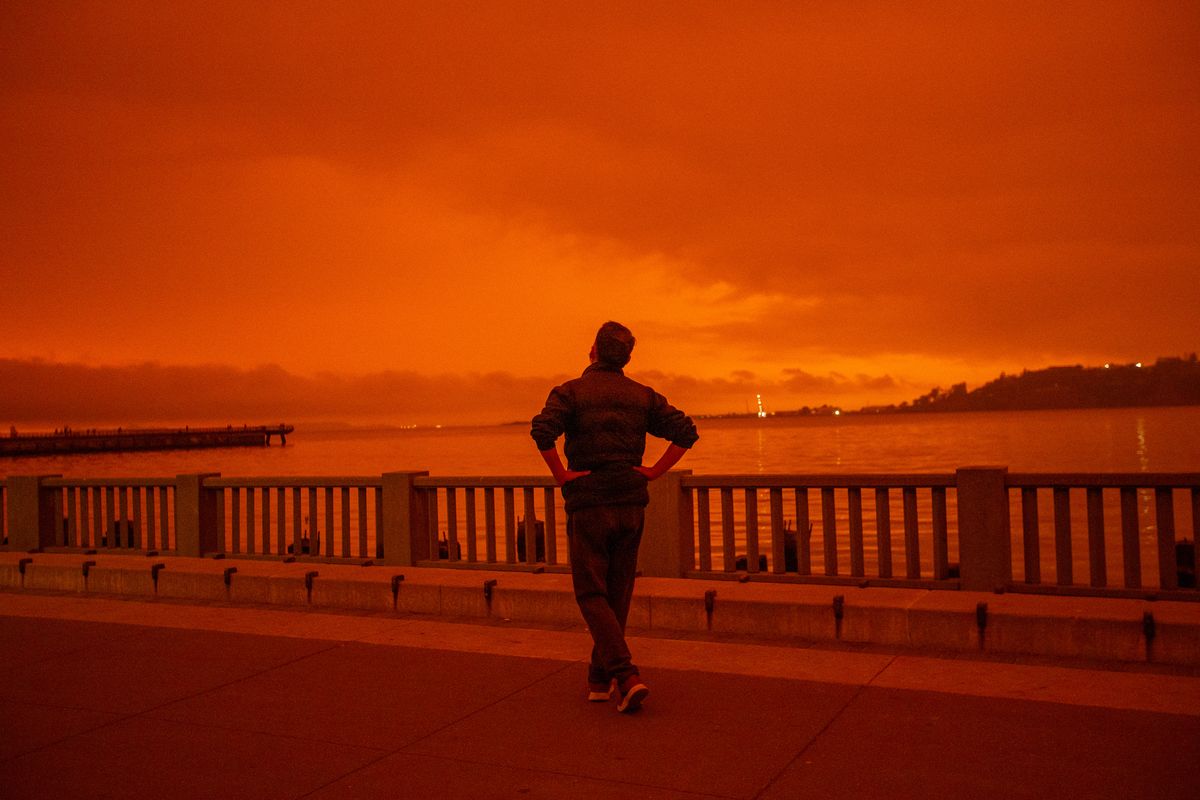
<point x="123" y="439"/>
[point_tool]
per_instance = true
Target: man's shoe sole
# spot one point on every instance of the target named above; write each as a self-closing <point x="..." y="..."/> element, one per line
<point x="632" y="700"/>
<point x="600" y="697"/>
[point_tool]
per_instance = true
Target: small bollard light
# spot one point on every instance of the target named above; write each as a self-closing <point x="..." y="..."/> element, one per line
<point x="21" y="564"/>
<point x="839" y="606"/>
<point x="86" y="566"/>
<point x="1148" y="626"/>
<point x="488" y="585"/>
<point x="154" y="570"/>
<point x="710" y="602"/>
<point x="228" y="576"/>
<point x="981" y="615"/>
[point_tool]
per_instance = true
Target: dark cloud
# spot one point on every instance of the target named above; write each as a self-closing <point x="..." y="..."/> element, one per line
<point x="1011" y="181"/>
<point x="41" y="392"/>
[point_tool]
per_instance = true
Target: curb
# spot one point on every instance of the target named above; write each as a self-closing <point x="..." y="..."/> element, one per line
<point x="1114" y="629"/>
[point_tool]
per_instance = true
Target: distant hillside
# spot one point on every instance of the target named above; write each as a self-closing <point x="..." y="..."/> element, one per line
<point x="1167" y="382"/>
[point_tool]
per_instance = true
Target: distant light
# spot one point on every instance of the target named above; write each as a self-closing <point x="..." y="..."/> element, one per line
<point x="837" y="412"/>
<point x="1138" y="364"/>
<point x="1106" y="366"/>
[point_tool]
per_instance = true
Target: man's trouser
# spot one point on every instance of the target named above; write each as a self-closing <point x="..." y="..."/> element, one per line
<point x="604" y="546"/>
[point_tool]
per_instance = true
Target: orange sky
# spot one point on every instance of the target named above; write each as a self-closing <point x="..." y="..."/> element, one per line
<point x="825" y="202"/>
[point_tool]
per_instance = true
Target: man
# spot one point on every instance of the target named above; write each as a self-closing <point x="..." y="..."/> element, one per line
<point x="606" y="417"/>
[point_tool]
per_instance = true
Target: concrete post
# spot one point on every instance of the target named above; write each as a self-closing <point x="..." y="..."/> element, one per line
<point x="31" y="523"/>
<point x="405" y="519"/>
<point x="196" y="523"/>
<point x="984" y="542"/>
<point x="668" y="545"/>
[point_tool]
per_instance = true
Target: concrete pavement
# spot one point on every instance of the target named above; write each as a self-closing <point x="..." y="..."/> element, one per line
<point x="106" y="697"/>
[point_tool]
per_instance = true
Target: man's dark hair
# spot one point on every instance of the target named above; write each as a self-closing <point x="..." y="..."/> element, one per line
<point x="614" y="344"/>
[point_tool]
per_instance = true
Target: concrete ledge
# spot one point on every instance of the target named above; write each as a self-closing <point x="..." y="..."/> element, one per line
<point x="1069" y="627"/>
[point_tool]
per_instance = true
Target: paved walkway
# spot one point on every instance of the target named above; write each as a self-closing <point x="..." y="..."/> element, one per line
<point x="119" y="698"/>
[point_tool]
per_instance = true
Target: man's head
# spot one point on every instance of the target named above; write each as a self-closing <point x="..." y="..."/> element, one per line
<point x="614" y="344"/>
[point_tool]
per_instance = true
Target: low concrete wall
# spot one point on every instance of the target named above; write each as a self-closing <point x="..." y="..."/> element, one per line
<point x="1067" y="627"/>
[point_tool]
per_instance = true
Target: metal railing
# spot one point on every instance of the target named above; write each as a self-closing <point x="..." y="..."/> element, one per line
<point x="476" y="521"/>
<point x="766" y="523"/>
<point x="113" y="513"/>
<point x="977" y="528"/>
<point x="329" y="517"/>
<point x="1127" y="523"/>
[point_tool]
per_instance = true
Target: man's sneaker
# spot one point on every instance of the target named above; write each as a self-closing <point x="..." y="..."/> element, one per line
<point x="601" y="692"/>
<point x="632" y="695"/>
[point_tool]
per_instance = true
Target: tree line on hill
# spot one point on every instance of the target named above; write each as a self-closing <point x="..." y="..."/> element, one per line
<point x="1167" y="382"/>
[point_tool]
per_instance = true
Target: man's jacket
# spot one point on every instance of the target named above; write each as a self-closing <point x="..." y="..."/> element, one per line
<point x="606" y="417"/>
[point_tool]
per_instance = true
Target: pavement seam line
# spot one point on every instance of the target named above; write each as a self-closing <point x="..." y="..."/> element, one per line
<point x="453" y="722"/>
<point x="825" y="727"/>
<point x="576" y="775"/>
<point x="144" y="712"/>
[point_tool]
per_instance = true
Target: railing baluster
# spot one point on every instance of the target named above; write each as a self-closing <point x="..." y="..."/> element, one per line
<point x="452" y="548"/>
<point x="1196" y="522"/>
<point x="472" y="547"/>
<point x="363" y="550"/>
<point x="912" y="540"/>
<point x="1164" y="517"/>
<point x="251" y="526"/>
<point x="1062" y="536"/>
<point x="222" y="527"/>
<point x="98" y="516"/>
<point x="329" y="522"/>
<point x="751" y="496"/>
<point x="941" y="545"/>
<point x="551" y="526"/>
<point x="778" y="537"/>
<point x="314" y="531"/>
<point x="1030" y="534"/>
<point x="883" y="530"/>
<point x="510" y="526"/>
<point x="281" y="520"/>
<point x="1131" y="546"/>
<point x="73" y="496"/>
<point x="236" y="518"/>
<point x="151" y="537"/>
<point x="266" y="520"/>
<point x="379" y="523"/>
<point x="530" y="526"/>
<point x="164" y="519"/>
<point x="1098" y="567"/>
<point x="113" y="531"/>
<point x="59" y="529"/>
<point x="728" y="546"/>
<point x="123" y="517"/>
<point x="829" y="530"/>
<point x="297" y="519"/>
<point x="854" y="500"/>
<point x="704" y="525"/>
<point x="489" y="524"/>
<point x="803" y="533"/>
<point x="345" y="501"/>
<point x="435" y="544"/>
<point x="138" y="536"/>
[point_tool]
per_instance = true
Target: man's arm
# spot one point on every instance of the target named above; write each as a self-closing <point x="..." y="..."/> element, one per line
<point x="668" y="459"/>
<point x="561" y="474"/>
